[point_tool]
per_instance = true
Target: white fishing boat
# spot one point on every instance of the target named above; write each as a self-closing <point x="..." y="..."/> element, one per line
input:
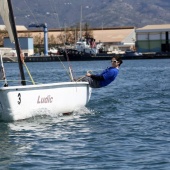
<point x="25" y="101"/>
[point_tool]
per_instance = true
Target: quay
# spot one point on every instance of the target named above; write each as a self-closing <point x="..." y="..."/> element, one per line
<point x="87" y="57"/>
<point x="45" y="58"/>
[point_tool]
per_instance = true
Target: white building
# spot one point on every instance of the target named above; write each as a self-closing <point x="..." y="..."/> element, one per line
<point x="153" y="38"/>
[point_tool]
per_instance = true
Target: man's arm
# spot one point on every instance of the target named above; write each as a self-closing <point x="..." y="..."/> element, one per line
<point x="95" y="77"/>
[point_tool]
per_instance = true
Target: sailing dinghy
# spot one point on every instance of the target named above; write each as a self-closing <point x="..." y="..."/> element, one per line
<point x="25" y="101"/>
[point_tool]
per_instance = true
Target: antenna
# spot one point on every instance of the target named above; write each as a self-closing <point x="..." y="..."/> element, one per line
<point x="81" y="23"/>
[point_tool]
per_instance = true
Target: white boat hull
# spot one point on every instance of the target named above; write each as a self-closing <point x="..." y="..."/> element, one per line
<point x="21" y="102"/>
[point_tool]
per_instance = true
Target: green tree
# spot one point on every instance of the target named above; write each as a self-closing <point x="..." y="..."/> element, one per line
<point x="38" y="42"/>
<point x="72" y="34"/>
<point x="52" y="40"/>
<point x="26" y="34"/>
<point x="3" y="33"/>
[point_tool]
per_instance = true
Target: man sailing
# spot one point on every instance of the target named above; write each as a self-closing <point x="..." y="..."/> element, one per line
<point x="106" y="77"/>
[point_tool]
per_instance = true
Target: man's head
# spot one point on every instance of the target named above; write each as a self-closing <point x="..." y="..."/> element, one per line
<point x="116" y="61"/>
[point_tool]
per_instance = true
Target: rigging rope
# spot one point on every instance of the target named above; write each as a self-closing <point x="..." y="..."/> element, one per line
<point x="70" y="72"/>
<point x="31" y="12"/>
<point x="53" y="7"/>
<point x="80" y="78"/>
<point x="29" y="73"/>
<point x="2" y="70"/>
<point x="19" y="82"/>
<point x="22" y="59"/>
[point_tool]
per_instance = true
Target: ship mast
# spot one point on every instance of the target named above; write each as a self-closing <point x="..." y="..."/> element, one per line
<point x="81" y="23"/>
<point x="17" y="46"/>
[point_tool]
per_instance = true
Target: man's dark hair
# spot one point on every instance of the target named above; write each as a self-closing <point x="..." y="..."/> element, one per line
<point x="119" y="59"/>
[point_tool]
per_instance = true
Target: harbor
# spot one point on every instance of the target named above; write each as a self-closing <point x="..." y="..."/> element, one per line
<point x="128" y="42"/>
<point x="85" y="57"/>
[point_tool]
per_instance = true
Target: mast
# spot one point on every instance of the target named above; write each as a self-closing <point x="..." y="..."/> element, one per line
<point x="17" y="46"/>
<point x="81" y="23"/>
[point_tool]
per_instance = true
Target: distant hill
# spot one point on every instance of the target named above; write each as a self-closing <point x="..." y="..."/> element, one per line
<point x="97" y="13"/>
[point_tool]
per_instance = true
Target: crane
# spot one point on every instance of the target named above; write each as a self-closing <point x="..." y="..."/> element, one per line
<point x="44" y="26"/>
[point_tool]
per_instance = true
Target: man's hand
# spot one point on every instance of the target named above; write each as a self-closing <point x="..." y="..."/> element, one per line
<point x="88" y="74"/>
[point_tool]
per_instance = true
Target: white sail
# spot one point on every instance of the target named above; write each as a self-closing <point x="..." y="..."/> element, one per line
<point x="4" y="13"/>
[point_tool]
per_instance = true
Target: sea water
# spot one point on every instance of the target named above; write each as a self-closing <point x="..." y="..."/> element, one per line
<point x="126" y="125"/>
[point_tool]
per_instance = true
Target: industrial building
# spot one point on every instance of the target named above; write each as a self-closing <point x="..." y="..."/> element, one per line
<point x="115" y="38"/>
<point x="153" y="38"/>
<point x="26" y="45"/>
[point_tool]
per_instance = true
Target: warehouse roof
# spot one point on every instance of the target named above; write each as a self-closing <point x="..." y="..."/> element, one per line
<point x="154" y="28"/>
<point x="106" y="35"/>
<point x="18" y="27"/>
<point x="117" y="35"/>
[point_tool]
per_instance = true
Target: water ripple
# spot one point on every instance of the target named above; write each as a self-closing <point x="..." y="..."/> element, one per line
<point x="124" y="126"/>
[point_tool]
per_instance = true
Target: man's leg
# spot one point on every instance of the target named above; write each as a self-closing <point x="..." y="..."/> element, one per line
<point x="93" y="83"/>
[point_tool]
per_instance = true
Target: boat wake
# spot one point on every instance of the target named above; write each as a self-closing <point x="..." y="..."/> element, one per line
<point x="76" y="114"/>
<point x="46" y="114"/>
<point x="82" y="110"/>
